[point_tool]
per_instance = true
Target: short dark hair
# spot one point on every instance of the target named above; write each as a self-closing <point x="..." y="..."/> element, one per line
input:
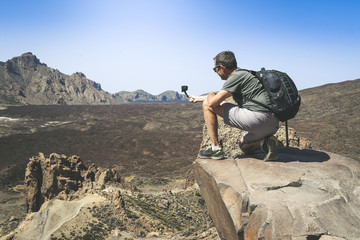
<point x="227" y="59"/>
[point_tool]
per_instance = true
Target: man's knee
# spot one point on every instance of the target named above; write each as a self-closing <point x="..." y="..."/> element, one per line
<point x="206" y="106"/>
<point x="219" y="110"/>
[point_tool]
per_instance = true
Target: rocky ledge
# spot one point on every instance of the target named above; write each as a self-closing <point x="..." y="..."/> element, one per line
<point x="306" y="194"/>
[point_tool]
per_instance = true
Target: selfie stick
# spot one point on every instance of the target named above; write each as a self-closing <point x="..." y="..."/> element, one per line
<point x="184" y="89"/>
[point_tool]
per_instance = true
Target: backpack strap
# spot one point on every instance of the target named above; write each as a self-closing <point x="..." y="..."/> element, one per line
<point x="252" y="100"/>
<point x="249" y="71"/>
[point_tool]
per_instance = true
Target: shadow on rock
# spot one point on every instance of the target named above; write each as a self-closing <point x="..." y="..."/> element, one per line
<point x="292" y="154"/>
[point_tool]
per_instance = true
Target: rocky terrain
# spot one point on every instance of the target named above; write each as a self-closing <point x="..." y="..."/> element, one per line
<point x="161" y="140"/>
<point x="153" y="139"/>
<point x="66" y="199"/>
<point x="25" y="80"/>
<point x="151" y="147"/>
<point x="107" y="136"/>
<point x="305" y="194"/>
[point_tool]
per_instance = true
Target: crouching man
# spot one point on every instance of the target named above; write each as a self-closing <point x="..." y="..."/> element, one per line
<point x="256" y="120"/>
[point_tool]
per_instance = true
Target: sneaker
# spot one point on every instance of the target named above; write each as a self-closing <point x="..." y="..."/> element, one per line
<point x="209" y="153"/>
<point x="270" y="147"/>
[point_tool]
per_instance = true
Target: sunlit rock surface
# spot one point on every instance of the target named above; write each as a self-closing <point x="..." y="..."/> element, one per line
<point x="306" y="194"/>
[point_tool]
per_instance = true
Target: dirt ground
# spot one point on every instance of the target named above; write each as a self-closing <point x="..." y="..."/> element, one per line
<point x="152" y="139"/>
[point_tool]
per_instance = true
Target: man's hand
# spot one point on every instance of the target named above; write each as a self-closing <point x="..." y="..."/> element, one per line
<point x="194" y="99"/>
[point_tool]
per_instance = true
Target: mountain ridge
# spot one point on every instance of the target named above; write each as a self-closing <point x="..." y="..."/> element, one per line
<point x="26" y="80"/>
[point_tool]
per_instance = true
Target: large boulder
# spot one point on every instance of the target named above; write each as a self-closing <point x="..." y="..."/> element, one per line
<point x="306" y="194"/>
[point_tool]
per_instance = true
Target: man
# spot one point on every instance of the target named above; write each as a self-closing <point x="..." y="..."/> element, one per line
<point x="256" y="120"/>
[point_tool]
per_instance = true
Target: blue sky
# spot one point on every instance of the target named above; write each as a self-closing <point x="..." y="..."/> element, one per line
<point x="159" y="45"/>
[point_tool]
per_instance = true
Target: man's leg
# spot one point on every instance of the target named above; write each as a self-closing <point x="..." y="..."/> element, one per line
<point x="269" y="146"/>
<point x="249" y="147"/>
<point x="210" y="117"/>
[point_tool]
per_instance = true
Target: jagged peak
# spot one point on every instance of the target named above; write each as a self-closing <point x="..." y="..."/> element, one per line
<point x="80" y="74"/>
<point x="27" y="60"/>
<point x="28" y="53"/>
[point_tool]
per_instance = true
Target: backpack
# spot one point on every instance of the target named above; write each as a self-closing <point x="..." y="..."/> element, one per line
<point x="284" y="98"/>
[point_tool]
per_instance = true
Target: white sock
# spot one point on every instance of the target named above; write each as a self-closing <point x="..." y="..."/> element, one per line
<point x="215" y="148"/>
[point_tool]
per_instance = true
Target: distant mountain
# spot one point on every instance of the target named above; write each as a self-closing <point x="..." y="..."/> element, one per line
<point x="142" y="96"/>
<point x="25" y="80"/>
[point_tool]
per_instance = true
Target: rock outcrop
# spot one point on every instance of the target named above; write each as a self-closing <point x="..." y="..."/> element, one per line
<point x="230" y="139"/>
<point x="79" y="202"/>
<point x="61" y="177"/>
<point x="51" y="216"/>
<point x="25" y="80"/>
<point x="306" y="194"/>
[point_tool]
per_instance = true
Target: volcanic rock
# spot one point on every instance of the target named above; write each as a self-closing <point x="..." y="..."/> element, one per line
<point x="306" y="194"/>
<point x="62" y="177"/>
<point x="230" y="138"/>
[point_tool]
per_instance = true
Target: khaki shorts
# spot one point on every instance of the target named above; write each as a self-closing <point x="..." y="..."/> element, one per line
<point x="256" y="124"/>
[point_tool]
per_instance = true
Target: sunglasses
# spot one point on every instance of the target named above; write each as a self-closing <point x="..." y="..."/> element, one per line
<point x="216" y="68"/>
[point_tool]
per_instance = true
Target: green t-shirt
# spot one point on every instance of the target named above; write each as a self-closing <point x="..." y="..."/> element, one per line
<point x="243" y="84"/>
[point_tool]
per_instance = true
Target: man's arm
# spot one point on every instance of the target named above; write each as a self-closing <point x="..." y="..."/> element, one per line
<point x="215" y="99"/>
<point x="195" y="99"/>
